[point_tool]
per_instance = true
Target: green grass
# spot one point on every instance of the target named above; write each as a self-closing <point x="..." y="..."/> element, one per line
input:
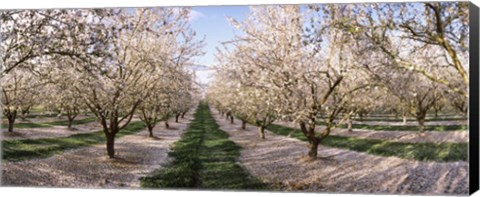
<point x="439" y="152"/>
<point x="409" y="119"/>
<point x="50" y="124"/>
<point x="404" y="127"/>
<point x="17" y="150"/>
<point x="203" y="158"/>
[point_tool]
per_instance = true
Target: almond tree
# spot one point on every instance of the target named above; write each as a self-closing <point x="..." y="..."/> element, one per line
<point x="20" y="90"/>
<point x="308" y="75"/>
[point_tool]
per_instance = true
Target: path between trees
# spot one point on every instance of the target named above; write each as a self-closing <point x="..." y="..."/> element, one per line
<point x="89" y="167"/>
<point x="395" y="136"/>
<point x="204" y="158"/>
<point x="278" y="160"/>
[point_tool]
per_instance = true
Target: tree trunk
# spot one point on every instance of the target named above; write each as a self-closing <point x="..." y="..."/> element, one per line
<point x="244" y="124"/>
<point x="404" y="119"/>
<point x="261" y="132"/>
<point x="176" y="117"/>
<point x="349" y="124"/>
<point x="183" y="114"/>
<point x="231" y="119"/>
<point x="11" y="122"/>
<point x="312" y="153"/>
<point x="421" y="124"/>
<point x="70" y="121"/>
<point x="150" y="131"/>
<point x="11" y="116"/>
<point x="312" y="140"/>
<point x="167" y="125"/>
<point x="110" y="144"/>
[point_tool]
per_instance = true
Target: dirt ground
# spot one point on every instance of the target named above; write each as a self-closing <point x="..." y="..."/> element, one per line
<point x="51" y="132"/>
<point x="44" y="119"/>
<point x="396" y="136"/>
<point x="281" y="161"/>
<point x="89" y="167"/>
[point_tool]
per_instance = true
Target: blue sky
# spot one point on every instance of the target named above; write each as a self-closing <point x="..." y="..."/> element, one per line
<point x="212" y="23"/>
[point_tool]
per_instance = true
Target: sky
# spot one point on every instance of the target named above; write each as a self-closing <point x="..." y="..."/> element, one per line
<point x="212" y="23"/>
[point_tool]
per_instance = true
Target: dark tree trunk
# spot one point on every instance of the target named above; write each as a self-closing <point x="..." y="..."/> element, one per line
<point x="244" y="124"/>
<point x="176" y="117"/>
<point x="11" y="120"/>
<point x="261" y="132"/>
<point x="150" y="131"/>
<point x="167" y="125"/>
<point x="312" y="139"/>
<point x="70" y="121"/>
<point x="183" y="114"/>
<point x="71" y="115"/>
<point x="231" y="119"/>
<point x="312" y="153"/>
<point x="110" y="144"/>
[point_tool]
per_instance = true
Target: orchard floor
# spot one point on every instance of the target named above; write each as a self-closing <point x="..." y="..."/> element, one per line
<point x="137" y="155"/>
<point x="395" y="136"/>
<point x="52" y="131"/>
<point x="280" y="161"/>
<point x="412" y="123"/>
<point x="49" y="132"/>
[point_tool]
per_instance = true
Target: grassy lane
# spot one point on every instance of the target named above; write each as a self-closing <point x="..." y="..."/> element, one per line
<point x="440" y="152"/>
<point x="203" y="158"/>
<point x="404" y="127"/>
<point x="50" y="124"/>
<point x="17" y="150"/>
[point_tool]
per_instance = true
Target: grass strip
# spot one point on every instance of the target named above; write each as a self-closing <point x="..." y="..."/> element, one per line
<point x="439" y="152"/>
<point x="365" y="119"/>
<point x="17" y="150"/>
<point x="203" y="158"/>
<point x="50" y="124"/>
<point x="438" y="128"/>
